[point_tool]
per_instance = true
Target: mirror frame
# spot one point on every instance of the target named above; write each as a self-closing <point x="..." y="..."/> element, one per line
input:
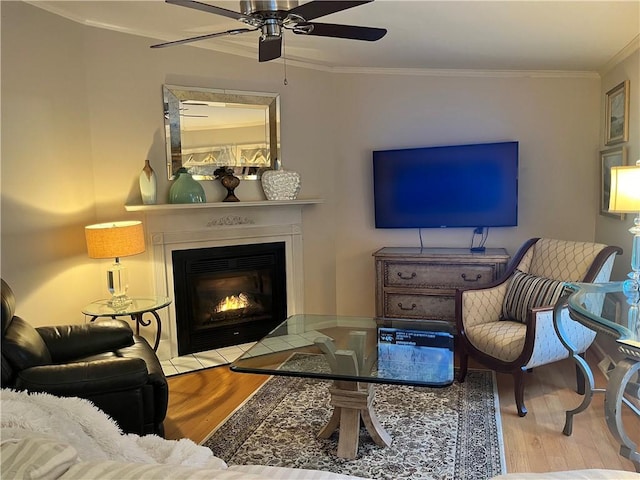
<point x="173" y="95"/>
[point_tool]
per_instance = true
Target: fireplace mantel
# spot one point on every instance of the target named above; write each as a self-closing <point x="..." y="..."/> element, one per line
<point x="167" y="207"/>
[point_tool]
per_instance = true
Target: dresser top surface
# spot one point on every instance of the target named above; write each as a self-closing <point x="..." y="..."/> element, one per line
<point x="439" y="251"/>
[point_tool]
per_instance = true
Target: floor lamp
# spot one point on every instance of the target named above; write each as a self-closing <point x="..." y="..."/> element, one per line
<point x="625" y="198"/>
<point x="116" y="240"/>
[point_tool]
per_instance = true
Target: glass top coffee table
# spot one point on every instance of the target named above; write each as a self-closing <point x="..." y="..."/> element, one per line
<point x="356" y="353"/>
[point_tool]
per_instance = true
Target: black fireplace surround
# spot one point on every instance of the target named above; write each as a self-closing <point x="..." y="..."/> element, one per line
<point x="228" y="295"/>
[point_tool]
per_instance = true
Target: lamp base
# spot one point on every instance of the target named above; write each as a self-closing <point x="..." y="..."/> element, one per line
<point x="631" y="287"/>
<point x="118" y="284"/>
<point x="120" y="302"/>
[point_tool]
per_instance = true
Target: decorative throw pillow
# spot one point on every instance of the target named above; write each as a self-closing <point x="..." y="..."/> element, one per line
<point x="529" y="291"/>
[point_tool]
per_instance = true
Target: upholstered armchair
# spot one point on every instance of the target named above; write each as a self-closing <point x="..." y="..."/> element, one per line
<point x="103" y="362"/>
<point x="508" y="326"/>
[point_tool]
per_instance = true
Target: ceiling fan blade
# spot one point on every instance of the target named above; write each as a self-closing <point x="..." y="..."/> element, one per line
<point x="207" y="8"/>
<point x="269" y="49"/>
<point x="352" y="32"/>
<point x="235" y="31"/>
<point x="320" y="8"/>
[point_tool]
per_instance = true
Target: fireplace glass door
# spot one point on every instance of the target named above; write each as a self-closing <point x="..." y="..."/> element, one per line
<point x="228" y="295"/>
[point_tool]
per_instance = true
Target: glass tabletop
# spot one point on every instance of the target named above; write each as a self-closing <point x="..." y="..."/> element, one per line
<point x="101" y="308"/>
<point x="606" y="307"/>
<point x="355" y="349"/>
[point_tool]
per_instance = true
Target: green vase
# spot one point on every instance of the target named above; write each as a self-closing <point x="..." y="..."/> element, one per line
<point x="185" y="189"/>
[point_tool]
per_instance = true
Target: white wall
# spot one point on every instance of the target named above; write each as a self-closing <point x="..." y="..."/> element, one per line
<point x="87" y="104"/>
<point x="609" y="230"/>
<point x="48" y="193"/>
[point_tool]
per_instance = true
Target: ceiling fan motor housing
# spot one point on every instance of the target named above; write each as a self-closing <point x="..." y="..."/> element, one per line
<point x="249" y="7"/>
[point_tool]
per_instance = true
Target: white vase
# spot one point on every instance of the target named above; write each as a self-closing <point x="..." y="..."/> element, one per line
<point x="281" y="184"/>
<point x="148" y="184"/>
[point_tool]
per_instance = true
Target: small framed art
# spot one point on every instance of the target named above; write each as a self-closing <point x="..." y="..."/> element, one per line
<point x="614" y="157"/>
<point x="617" y="114"/>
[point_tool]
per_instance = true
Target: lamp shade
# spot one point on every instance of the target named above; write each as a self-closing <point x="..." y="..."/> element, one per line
<point x="625" y="189"/>
<point x="115" y="239"/>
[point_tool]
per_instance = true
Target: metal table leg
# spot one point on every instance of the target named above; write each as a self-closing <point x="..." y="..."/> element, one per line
<point x="138" y="317"/>
<point x="614" y="398"/>
<point x="589" y="382"/>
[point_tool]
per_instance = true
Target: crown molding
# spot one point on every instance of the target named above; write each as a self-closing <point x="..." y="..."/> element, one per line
<point x="628" y="49"/>
<point x="434" y="72"/>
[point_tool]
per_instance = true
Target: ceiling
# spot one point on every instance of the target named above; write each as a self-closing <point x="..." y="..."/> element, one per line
<point x="563" y="35"/>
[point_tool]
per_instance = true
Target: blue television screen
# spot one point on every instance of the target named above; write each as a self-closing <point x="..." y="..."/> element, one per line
<point x="450" y="186"/>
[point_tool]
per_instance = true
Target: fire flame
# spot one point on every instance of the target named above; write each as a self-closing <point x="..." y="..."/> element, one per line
<point x="234" y="302"/>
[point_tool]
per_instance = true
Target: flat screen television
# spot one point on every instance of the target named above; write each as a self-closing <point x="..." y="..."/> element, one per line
<point x="449" y="186"/>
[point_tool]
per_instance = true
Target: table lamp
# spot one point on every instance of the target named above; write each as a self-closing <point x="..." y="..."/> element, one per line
<point x="625" y="198"/>
<point x="115" y="240"/>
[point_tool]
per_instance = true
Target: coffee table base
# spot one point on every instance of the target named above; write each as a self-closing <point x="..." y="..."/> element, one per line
<point x="352" y="402"/>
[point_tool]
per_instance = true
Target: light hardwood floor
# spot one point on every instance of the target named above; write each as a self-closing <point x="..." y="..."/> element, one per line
<point x="199" y="401"/>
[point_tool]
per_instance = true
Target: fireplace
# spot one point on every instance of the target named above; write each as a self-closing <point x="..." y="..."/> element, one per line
<point x="181" y="227"/>
<point x="228" y="295"/>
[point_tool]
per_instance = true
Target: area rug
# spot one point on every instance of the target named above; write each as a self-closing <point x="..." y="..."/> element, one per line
<point x="438" y="433"/>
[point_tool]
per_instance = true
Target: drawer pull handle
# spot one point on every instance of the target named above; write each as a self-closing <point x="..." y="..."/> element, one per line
<point x="413" y="307"/>
<point x="413" y="275"/>
<point x="464" y="277"/>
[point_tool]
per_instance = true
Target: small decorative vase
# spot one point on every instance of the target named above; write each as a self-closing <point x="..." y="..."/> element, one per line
<point x="148" y="184"/>
<point x="281" y="184"/>
<point x="228" y="181"/>
<point x="185" y="189"/>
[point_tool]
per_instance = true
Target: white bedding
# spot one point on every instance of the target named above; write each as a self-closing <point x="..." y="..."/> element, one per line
<point x="48" y="438"/>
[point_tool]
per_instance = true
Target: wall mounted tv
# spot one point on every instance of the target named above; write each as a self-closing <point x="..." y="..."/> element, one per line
<point x="449" y="186"/>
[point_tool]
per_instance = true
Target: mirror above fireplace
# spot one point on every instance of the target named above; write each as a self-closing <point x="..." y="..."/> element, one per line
<point x="208" y="128"/>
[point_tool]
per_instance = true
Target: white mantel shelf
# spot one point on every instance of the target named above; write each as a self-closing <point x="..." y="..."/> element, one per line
<point x="166" y="207"/>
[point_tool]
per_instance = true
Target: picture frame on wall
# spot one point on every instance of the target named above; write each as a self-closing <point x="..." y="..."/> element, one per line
<point x="614" y="157"/>
<point x="617" y="114"/>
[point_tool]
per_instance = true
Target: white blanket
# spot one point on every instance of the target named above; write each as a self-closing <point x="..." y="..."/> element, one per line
<point x="91" y="433"/>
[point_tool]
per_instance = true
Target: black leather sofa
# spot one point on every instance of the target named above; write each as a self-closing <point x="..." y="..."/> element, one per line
<point x="102" y="361"/>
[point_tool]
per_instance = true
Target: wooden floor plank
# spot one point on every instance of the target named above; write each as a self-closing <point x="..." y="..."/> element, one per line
<point x="200" y="401"/>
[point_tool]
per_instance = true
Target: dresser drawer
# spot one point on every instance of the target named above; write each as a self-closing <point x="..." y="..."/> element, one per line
<point x="436" y="307"/>
<point x="436" y="275"/>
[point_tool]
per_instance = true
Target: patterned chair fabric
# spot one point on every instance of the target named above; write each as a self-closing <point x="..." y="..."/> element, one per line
<point x="563" y="260"/>
<point x="513" y="346"/>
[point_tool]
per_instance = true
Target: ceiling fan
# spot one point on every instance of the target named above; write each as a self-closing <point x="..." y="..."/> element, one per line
<point x="272" y="16"/>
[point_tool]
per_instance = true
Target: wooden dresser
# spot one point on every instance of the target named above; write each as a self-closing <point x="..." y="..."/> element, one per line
<point x="420" y="283"/>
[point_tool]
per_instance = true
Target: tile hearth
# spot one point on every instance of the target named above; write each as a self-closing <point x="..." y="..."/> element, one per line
<point x="226" y="355"/>
<point x="201" y="360"/>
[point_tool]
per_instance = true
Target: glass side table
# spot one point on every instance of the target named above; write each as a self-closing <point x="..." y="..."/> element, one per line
<point x="606" y="309"/>
<point x="136" y="310"/>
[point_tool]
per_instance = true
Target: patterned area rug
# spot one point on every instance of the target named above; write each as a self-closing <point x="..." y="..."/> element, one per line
<point x="438" y="433"/>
